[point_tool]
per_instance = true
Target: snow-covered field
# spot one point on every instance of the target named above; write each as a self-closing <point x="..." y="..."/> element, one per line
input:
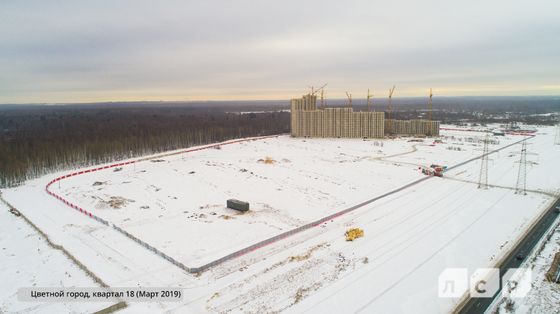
<point x="27" y="261"/>
<point x="177" y="204"/>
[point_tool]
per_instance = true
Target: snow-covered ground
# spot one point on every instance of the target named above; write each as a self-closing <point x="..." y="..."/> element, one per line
<point x="28" y="261"/>
<point x="183" y="196"/>
<point x="177" y="203"/>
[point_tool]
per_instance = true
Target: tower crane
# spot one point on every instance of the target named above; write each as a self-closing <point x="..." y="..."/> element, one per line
<point x="430" y="106"/>
<point x="369" y="96"/>
<point x="390" y="109"/>
<point x="315" y="91"/>
<point x="349" y="99"/>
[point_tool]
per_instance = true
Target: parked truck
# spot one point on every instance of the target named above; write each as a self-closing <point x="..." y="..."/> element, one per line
<point x="433" y="171"/>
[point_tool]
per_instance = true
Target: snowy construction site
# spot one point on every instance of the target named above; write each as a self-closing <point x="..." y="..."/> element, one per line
<point x="421" y="204"/>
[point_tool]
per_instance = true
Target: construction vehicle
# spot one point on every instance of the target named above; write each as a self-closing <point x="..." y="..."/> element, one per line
<point x="436" y="171"/>
<point x="427" y="171"/>
<point x="438" y="166"/>
<point x="353" y="233"/>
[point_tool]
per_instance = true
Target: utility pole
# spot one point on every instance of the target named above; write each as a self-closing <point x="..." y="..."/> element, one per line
<point x="483" y="176"/>
<point x="323" y="98"/>
<point x="521" y="186"/>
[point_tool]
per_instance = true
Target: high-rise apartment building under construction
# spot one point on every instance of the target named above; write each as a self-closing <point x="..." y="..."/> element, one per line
<point x="309" y="121"/>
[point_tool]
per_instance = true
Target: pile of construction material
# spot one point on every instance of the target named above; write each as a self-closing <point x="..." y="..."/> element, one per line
<point x="237" y="205"/>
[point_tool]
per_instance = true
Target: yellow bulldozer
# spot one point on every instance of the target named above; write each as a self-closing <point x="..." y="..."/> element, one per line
<point x="353" y="233"/>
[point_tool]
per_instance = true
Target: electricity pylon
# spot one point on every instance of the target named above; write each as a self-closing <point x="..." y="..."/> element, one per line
<point x="521" y="185"/>
<point x="483" y="175"/>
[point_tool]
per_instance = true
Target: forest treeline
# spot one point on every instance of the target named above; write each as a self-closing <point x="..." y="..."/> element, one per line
<point x="39" y="139"/>
<point x="36" y="140"/>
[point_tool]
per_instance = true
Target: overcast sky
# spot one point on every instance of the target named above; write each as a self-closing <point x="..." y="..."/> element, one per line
<point x="81" y="51"/>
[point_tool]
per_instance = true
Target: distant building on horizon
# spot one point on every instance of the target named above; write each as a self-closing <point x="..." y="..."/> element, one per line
<point x="309" y="121"/>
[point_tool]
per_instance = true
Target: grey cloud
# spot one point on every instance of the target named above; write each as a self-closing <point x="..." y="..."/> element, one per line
<point x="194" y="47"/>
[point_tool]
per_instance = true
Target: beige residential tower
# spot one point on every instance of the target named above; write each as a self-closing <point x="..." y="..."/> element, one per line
<point x="309" y="121"/>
